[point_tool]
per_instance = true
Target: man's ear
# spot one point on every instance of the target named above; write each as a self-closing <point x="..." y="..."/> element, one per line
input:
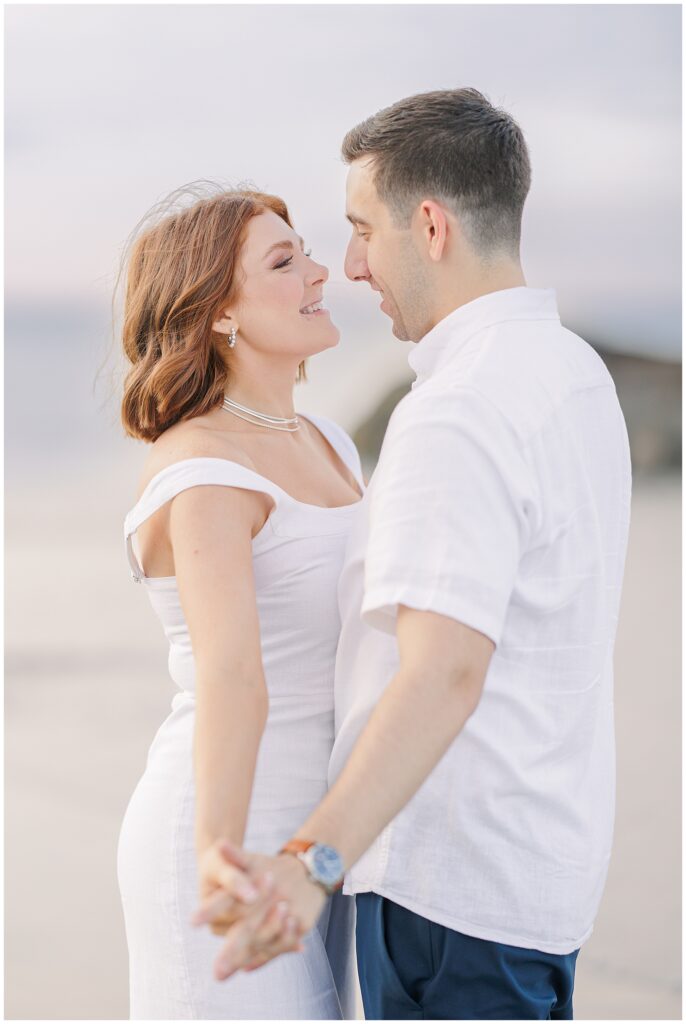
<point x="432" y="224"/>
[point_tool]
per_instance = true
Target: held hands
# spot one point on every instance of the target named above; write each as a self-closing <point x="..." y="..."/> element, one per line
<point x="264" y="905"/>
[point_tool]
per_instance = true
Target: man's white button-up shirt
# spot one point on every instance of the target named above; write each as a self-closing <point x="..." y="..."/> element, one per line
<point x="501" y="499"/>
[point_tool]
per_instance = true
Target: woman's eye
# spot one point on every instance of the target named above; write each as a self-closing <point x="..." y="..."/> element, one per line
<point x="285" y="263"/>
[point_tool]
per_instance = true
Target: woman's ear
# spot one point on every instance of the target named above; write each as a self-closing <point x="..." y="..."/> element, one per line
<point x="224" y="323"/>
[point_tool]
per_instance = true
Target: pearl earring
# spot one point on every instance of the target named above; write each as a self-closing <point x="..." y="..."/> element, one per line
<point x="232" y="337"/>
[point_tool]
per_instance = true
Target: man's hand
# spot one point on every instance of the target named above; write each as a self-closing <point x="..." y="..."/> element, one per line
<point x="286" y="906"/>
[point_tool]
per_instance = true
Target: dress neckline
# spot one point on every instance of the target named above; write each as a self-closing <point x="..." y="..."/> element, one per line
<point x="289" y="497"/>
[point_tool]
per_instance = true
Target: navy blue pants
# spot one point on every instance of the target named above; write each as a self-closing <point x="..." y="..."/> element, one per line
<point x="413" y="969"/>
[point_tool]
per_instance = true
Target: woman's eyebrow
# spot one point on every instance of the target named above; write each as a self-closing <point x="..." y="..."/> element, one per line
<point x="286" y="244"/>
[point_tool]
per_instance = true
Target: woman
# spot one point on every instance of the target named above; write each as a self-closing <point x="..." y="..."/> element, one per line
<point x="240" y="527"/>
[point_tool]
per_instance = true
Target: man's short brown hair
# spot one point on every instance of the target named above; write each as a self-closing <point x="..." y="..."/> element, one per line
<point x="454" y="146"/>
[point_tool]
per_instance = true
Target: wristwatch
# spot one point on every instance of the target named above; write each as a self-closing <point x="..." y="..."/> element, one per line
<point x="324" y="864"/>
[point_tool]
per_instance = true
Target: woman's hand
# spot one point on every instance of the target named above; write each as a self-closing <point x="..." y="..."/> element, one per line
<point x="258" y="929"/>
<point x="232" y="885"/>
<point x="255" y="940"/>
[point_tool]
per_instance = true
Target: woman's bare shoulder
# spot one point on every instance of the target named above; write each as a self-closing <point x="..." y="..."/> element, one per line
<point x="191" y="439"/>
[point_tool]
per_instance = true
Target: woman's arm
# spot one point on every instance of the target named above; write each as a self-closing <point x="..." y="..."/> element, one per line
<point x="211" y="530"/>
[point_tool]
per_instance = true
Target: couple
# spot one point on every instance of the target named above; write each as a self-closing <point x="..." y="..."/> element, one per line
<point x="401" y="692"/>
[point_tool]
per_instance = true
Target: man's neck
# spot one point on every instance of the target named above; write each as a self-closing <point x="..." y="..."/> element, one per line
<point x="466" y="287"/>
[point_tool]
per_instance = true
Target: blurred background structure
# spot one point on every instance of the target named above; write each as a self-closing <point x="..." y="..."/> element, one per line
<point x="108" y="108"/>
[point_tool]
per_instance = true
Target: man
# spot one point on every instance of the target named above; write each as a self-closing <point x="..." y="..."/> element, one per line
<point x="472" y="777"/>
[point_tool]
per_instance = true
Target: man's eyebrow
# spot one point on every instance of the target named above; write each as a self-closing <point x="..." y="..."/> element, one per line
<point x="354" y="219"/>
<point x="285" y="244"/>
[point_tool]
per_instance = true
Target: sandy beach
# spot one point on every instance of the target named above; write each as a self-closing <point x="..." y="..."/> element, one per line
<point x="86" y="687"/>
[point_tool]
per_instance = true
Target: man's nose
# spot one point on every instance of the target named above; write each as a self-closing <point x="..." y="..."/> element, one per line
<point x="355" y="265"/>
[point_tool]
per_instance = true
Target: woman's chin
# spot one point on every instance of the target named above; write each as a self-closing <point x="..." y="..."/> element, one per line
<point x="325" y="338"/>
<point x="328" y="339"/>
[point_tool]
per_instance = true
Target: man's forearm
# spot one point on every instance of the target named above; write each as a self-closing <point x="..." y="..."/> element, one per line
<point x="410" y="729"/>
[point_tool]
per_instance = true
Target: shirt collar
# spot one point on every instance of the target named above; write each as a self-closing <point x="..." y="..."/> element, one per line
<point x="449" y="335"/>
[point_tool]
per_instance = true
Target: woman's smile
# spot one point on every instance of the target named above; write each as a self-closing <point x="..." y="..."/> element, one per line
<point x="314" y="310"/>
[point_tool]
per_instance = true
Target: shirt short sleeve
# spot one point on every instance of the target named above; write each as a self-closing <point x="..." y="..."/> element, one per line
<point x="451" y="511"/>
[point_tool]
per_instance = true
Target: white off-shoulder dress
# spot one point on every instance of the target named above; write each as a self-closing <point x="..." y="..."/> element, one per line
<point x="297" y="558"/>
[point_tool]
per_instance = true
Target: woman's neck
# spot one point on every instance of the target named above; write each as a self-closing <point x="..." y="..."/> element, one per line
<point x="270" y="396"/>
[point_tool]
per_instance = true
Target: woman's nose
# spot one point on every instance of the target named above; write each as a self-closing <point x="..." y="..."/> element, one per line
<point x="319" y="273"/>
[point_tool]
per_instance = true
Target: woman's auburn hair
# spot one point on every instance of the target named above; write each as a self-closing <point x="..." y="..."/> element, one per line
<point x="181" y="274"/>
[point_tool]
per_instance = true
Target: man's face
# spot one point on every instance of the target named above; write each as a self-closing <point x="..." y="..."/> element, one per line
<point x="385" y="256"/>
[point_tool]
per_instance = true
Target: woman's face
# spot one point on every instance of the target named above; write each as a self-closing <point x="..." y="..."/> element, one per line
<point x="278" y="286"/>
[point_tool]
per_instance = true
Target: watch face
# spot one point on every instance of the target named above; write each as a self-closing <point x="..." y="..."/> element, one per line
<point x="327" y="866"/>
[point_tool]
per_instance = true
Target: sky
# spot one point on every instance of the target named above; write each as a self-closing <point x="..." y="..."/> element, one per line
<point x="109" y="108"/>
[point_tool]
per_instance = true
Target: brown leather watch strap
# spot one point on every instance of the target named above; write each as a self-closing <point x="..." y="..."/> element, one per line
<point x="297" y="846"/>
